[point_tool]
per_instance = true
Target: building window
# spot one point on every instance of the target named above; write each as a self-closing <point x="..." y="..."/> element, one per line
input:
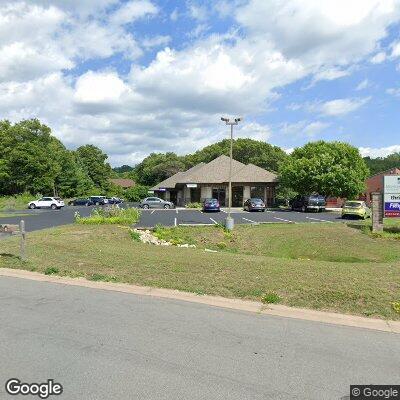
<point x="257" y="192"/>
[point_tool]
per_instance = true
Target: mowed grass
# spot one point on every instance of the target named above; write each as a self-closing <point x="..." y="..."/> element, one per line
<point x="327" y="267"/>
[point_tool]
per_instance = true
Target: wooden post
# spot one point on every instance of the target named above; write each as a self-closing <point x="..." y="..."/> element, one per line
<point x="23" y="239"/>
<point x="377" y="212"/>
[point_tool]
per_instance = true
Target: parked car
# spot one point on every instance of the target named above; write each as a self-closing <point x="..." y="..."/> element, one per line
<point x="211" y="205"/>
<point x="254" y="204"/>
<point x="55" y="203"/>
<point x="80" y="202"/>
<point x="355" y="209"/>
<point x="99" y="200"/>
<point x="114" y="200"/>
<point x="155" y="202"/>
<point x="313" y="202"/>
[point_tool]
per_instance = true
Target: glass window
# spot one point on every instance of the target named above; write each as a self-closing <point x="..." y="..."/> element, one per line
<point x="257" y="192"/>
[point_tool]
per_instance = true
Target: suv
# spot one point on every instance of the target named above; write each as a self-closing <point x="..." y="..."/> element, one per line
<point x="55" y="203"/>
<point x="313" y="202"/>
<point x="98" y="200"/>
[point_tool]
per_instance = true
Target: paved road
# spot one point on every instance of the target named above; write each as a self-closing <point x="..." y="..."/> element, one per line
<point x="42" y="219"/>
<point x="150" y="218"/>
<point x="109" y="345"/>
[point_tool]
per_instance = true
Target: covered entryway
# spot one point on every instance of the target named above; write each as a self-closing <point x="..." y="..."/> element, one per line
<point x="237" y="196"/>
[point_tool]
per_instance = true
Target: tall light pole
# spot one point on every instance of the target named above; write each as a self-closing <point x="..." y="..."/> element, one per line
<point x="229" y="220"/>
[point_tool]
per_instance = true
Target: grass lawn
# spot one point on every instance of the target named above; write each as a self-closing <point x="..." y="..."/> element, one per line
<point x="322" y="266"/>
<point x="10" y="215"/>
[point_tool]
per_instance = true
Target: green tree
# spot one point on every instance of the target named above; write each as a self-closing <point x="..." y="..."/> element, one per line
<point x="380" y="164"/>
<point x="246" y="151"/>
<point x="330" y="169"/>
<point x="136" y="193"/>
<point x="157" y="167"/>
<point x="93" y="162"/>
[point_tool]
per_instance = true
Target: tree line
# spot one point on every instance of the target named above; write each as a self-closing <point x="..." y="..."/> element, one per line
<point x="33" y="160"/>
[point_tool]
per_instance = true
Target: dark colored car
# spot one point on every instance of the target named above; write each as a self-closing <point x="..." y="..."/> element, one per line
<point x="155" y="202"/>
<point x="254" y="205"/>
<point x="315" y="203"/>
<point x="211" y="205"/>
<point x="98" y="200"/>
<point x="114" y="200"/>
<point x="80" y="202"/>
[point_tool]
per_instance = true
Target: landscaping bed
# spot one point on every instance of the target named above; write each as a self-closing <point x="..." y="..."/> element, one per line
<point x="322" y="266"/>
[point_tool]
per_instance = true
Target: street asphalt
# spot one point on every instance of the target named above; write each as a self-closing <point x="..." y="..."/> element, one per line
<point x="110" y="345"/>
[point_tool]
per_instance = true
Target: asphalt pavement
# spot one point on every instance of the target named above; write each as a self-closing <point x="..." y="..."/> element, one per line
<point x="46" y="218"/>
<point x="110" y="345"/>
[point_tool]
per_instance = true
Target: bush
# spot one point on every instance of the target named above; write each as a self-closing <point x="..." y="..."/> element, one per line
<point x="193" y="205"/>
<point x="134" y="235"/>
<point x="172" y="235"/>
<point x="396" y="306"/>
<point x="18" y="202"/>
<point x="136" y="193"/>
<point x="51" y="271"/>
<point x="110" y="215"/>
<point x="270" y="298"/>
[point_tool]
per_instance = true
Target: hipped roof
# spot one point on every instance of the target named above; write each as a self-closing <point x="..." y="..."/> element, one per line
<point x="217" y="171"/>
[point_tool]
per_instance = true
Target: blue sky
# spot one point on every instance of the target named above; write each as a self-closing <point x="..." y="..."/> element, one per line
<point x="137" y="76"/>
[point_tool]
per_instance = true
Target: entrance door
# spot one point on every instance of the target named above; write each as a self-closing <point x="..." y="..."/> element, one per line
<point x="237" y="196"/>
<point x="173" y="196"/>
<point x="195" y="195"/>
<point x="220" y="195"/>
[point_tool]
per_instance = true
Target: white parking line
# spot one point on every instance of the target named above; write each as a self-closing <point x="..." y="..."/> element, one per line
<point x="213" y="220"/>
<point x="285" y="220"/>
<point x="320" y="220"/>
<point x="177" y="211"/>
<point x="253" y="222"/>
<point x="175" y="222"/>
<point x="223" y="211"/>
<point x="199" y="224"/>
<point x="153" y="212"/>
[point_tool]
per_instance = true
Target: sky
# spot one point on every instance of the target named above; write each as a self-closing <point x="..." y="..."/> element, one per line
<point x="139" y="76"/>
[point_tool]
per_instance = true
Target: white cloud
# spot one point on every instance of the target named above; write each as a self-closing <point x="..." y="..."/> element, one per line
<point x="255" y="131"/>
<point x="378" y="58"/>
<point x="174" y="102"/>
<point x="364" y="84"/>
<point x="395" y="49"/>
<point x="338" y="107"/>
<point x="133" y="10"/>
<point x="197" y="11"/>
<point x="379" y="152"/>
<point x="393" y="91"/>
<point x="304" y="128"/>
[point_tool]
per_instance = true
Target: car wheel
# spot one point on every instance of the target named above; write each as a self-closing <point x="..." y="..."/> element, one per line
<point x="97" y="203"/>
<point x="167" y="206"/>
<point x="32" y="206"/>
<point x="304" y="209"/>
<point x="53" y="207"/>
<point x="146" y="206"/>
<point x="263" y="210"/>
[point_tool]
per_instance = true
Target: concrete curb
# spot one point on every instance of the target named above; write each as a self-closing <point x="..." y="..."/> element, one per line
<point x="216" y="301"/>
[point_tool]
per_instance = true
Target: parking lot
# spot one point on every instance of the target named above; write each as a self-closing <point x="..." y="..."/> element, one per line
<point x="45" y="218"/>
<point x="150" y="218"/>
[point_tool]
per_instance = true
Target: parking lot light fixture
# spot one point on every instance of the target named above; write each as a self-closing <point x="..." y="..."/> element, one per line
<point x="229" y="222"/>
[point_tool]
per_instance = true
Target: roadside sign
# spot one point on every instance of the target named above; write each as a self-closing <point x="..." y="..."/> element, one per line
<point x="392" y="196"/>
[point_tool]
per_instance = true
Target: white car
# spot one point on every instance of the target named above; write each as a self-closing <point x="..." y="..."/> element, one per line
<point x="55" y="203"/>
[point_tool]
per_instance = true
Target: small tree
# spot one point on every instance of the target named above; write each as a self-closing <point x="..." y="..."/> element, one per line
<point x="331" y="169"/>
<point x="137" y="193"/>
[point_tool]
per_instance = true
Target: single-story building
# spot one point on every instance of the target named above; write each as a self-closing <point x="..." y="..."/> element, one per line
<point x="210" y="180"/>
<point x="375" y="183"/>
<point x="122" y="182"/>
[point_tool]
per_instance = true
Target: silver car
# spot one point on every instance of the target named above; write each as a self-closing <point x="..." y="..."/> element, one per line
<point x="155" y="202"/>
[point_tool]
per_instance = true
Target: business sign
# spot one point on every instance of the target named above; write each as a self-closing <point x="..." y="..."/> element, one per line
<point x="392" y="196"/>
<point x="191" y="185"/>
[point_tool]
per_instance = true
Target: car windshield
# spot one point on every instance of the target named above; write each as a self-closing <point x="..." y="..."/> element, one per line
<point x="211" y="201"/>
<point x="353" y="204"/>
<point x="257" y="201"/>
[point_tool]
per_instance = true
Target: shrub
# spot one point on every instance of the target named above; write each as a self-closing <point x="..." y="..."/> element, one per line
<point x="136" y="193"/>
<point x="18" y="202"/>
<point x="221" y="245"/>
<point x="51" y="271"/>
<point x="110" y="215"/>
<point x="193" y="205"/>
<point x="396" y="306"/>
<point x="270" y="298"/>
<point x="134" y="235"/>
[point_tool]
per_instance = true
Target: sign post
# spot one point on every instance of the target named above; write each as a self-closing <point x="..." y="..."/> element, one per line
<point x="392" y="196"/>
<point x="377" y="212"/>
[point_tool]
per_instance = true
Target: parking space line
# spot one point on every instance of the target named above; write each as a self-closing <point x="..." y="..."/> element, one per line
<point x="177" y="211"/>
<point x="213" y="220"/>
<point x="153" y="212"/>
<point x="175" y="222"/>
<point x="223" y="211"/>
<point x="320" y="220"/>
<point x="253" y="222"/>
<point x="199" y="224"/>
<point x="285" y="220"/>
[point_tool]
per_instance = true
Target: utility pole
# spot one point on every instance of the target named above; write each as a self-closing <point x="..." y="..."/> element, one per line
<point x="229" y="222"/>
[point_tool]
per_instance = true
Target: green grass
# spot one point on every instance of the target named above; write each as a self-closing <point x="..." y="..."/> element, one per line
<point x="19" y="202"/>
<point x="321" y="266"/>
<point x="110" y="215"/>
<point x="11" y="215"/>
